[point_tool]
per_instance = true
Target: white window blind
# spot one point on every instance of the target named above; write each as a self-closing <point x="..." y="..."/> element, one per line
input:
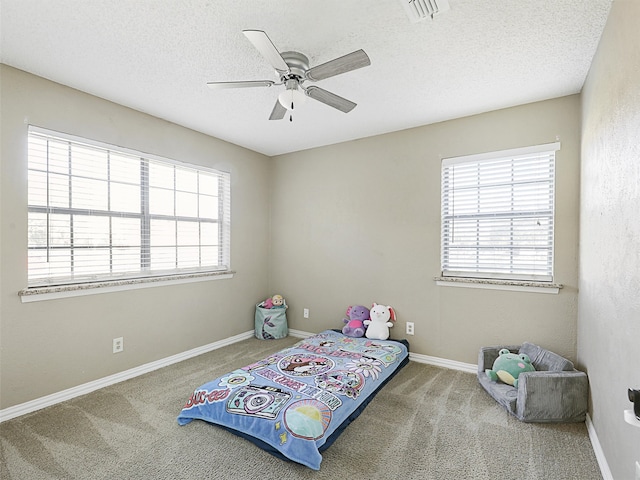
<point x="97" y="212"/>
<point x="498" y="214"/>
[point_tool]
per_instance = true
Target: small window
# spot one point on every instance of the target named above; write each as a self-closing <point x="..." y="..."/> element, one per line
<point x="98" y="212"/>
<point x="498" y="214"/>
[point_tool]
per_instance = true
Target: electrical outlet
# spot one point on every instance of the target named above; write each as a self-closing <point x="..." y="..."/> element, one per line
<point x="305" y="313"/>
<point x="118" y="344"/>
<point x="409" y="328"/>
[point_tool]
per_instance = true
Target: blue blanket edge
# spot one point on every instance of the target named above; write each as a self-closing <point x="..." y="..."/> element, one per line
<point x="331" y="438"/>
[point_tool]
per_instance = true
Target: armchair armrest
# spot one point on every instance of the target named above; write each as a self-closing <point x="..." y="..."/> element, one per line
<point x="552" y="396"/>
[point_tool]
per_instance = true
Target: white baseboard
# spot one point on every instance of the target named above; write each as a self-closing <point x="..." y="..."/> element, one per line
<point x="443" y="362"/>
<point x="47" y="401"/>
<point x="299" y="333"/>
<point x="597" y="449"/>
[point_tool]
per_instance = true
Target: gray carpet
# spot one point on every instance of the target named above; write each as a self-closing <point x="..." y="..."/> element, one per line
<point x="427" y="423"/>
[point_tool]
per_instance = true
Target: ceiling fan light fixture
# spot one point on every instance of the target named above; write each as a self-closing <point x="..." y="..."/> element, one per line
<point x="292" y="97"/>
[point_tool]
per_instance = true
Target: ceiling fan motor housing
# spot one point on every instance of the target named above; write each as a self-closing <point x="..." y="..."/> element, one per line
<point x="298" y="64"/>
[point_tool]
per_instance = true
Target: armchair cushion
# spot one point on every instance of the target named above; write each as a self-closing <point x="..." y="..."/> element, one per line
<point x="555" y="392"/>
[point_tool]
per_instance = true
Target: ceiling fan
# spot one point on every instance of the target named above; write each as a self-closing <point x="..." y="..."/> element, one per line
<point x="292" y="69"/>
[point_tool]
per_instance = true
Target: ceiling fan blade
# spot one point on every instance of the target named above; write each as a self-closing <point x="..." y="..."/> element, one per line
<point x="268" y="50"/>
<point x="346" y="63"/>
<point x="278" y="112"/>
<point x="330" y="99"/>
<point x="246" y="84"/>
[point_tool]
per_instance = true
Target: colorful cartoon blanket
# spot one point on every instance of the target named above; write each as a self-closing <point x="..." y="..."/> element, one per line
<point x="295" y="403"/>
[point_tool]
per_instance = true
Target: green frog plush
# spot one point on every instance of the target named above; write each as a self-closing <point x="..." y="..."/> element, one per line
<point x="508" y="366"/>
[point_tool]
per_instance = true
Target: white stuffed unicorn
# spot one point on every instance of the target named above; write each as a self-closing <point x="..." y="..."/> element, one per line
<point x="379" y="324"/>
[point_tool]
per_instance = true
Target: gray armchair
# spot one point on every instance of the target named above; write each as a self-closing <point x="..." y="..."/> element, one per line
<point x="555" y="392"/>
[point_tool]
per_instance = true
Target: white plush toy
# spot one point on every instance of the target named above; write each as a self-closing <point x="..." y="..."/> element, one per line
<point x="379" y="324"/>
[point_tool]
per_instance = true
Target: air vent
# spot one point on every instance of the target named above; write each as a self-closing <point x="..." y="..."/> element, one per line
<point x="419" y="10"/>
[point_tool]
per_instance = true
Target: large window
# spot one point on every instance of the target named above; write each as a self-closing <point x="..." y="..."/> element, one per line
<point x="498" y="214"/>
<point x="98" y="212"/>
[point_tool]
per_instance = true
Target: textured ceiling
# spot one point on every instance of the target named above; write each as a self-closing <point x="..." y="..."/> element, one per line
<point x="157" y="55"/>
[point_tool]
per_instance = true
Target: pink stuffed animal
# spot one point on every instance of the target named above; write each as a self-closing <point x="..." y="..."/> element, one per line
<point x="379" y="324"/>
<point x="356" y="315"/>
<point x="274" y="302"/>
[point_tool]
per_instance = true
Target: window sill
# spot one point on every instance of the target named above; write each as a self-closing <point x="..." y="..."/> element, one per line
<point x="37" y="294"/>
<point x="513" y="285"/>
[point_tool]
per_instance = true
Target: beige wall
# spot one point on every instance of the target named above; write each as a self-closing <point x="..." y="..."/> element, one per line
<point x="359" y="222"/>
<point x="609" y="307"/>
<point x="46" y="347"/>
<point x="350" y="223"/>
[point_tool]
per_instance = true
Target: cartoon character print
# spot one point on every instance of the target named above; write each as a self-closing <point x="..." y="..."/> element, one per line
<point x="319" y="346"/>
<point x="342" y="382"/>
<point x="305" y="365"/>
<point x="384" y="352"/>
